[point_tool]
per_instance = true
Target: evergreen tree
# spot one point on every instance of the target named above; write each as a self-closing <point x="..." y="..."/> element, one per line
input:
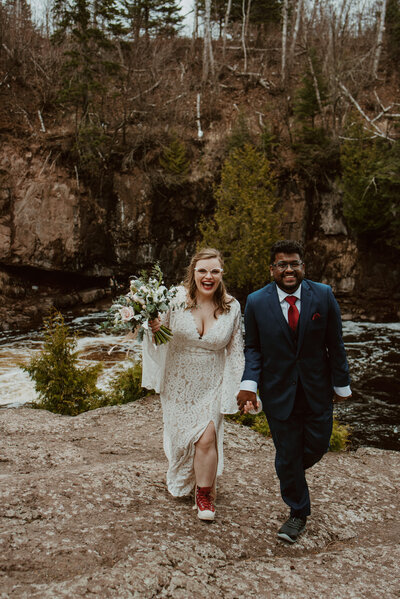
<point x="175" y="162"/>
<point x="86" y="28"/>
<point x="246" y="221"/>
<point x="262" y="12"/>
<point x="313" y="93"/>
<point x="317" y="153"/>
<point x="63" y="388"/>
<point x="392" y="26"/>
<point x="371" y="186"/>
<point x="141" y="16"/>
<point x="169" y="18"/>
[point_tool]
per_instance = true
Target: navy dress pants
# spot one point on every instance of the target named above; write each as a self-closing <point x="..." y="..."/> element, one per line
<point x="300" y="442"/>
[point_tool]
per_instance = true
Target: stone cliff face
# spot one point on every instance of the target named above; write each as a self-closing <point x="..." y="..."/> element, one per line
<point x="50" y="222"/>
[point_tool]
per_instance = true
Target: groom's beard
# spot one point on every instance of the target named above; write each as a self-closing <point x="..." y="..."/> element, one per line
<point x="289" y="282"/>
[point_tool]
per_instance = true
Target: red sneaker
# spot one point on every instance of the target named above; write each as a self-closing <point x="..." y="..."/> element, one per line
<point x="205" y="507"/>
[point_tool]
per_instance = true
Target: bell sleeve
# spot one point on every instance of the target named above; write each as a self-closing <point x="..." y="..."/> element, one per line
<point x="154" y="358"/>
<point x="234" y="364"/>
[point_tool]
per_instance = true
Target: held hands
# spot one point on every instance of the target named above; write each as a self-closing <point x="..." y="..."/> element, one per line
<point x="339" y="399"/>
<point x="247" y="400"/>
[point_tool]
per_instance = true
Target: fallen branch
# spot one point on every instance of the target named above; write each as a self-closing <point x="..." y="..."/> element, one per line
<point x="44" y="163"/>
<point x="176" y="98"/>
<point x="146" y="91"/>
<point x="42" y="127"/>
<point x="255" y="76"/>
<point x="377" y="131"/>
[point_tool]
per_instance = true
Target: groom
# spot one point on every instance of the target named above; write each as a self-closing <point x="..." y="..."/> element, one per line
<point x="295" y="357"/>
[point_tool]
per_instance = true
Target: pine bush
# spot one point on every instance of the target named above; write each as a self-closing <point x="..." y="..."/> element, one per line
<point x="62" y="387"/>
<point x="174" y="160"/>
<point x="246" y="221"/>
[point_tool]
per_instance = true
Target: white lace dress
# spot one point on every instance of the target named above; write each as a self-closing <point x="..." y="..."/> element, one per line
<point x="198" y="379"/>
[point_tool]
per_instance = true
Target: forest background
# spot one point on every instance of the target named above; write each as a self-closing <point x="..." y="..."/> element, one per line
<point x="126" y="140"/>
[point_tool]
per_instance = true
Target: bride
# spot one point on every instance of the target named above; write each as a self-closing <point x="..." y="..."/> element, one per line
<point x="198" y="378"/>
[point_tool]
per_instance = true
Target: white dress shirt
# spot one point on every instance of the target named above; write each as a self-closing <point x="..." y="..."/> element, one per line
<point x="249" y="385"/>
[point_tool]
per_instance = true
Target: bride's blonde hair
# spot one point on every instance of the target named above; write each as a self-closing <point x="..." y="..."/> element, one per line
<point x="221" y="298"/>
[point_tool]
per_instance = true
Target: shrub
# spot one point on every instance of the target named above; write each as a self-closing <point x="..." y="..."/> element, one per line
<point x="126" y="386"/>
<point x="258" y="422"/>
<point x="340" y="437"/>
<point x="63" y="388"/>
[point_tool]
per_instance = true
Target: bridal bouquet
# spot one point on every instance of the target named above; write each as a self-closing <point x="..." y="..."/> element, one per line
<point x="147" y="297"/>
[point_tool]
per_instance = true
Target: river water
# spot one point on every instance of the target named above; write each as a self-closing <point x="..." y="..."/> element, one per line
<point x="373" y="413"/>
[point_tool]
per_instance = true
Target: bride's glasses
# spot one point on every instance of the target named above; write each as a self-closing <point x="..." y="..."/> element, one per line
<point x="214" y="272"/>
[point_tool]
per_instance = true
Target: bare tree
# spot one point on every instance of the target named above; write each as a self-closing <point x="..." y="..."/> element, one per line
<point x="227" y="15"/>
<point x="381" y="29"/>
<point x="208" y="57"/>
<point x="195" y="34"/>
<point x="243" y="36"/>
<point x="285" y="15"/>
<point x="299" y="10"/>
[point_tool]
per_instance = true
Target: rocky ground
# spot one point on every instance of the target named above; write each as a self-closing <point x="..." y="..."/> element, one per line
<point x="85" y="512"/>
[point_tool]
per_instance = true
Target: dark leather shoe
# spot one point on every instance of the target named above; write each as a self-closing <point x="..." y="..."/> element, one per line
<point x="292" y="529"/>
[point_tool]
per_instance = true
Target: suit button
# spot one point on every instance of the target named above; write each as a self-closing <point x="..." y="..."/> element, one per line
<point x="294" y="382"/>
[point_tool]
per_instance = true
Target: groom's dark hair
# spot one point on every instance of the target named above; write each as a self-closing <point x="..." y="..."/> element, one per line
<point x="287" y="246"/>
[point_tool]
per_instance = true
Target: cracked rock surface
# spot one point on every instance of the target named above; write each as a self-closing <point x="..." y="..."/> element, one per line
<point x="85" y="512"/>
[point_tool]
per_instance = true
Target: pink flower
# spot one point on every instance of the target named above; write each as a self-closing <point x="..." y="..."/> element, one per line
<point x="316" y="316"/>
<point x="127" y="313"/>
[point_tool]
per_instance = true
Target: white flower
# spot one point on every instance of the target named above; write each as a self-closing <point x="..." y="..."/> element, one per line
<point x="138" y="299"/>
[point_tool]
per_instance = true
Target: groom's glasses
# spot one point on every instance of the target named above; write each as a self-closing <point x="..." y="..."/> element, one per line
<point x="282" y="266"/>
<point x="213" y="272"/>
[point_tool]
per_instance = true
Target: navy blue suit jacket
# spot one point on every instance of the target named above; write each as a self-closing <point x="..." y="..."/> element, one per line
<point x="276" y="362"/>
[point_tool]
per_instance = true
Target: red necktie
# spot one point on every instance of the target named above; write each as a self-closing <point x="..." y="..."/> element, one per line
<point x="293" y="313"/>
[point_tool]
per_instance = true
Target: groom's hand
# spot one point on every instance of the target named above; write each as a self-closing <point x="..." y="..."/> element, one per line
<point x="243" y="397"/>
<point x="339" y="398"/>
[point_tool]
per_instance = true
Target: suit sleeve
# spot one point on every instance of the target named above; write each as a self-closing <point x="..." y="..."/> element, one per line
<point x="252" y="351"/>
<point x="334" y="343"/>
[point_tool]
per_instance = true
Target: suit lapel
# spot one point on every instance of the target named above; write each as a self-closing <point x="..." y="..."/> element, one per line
<point x="276" y="311"/>
<point x="306" y="297"/>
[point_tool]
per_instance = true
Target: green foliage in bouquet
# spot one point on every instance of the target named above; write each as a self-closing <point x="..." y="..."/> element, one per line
<point x="246" y="219"/>
<point x="126" y="386"/>
<point x="258" y="422"/>
<point x="63" y="388"/>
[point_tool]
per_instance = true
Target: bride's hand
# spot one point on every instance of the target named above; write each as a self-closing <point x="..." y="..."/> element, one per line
<point x="248" y="407"/>
<point x="155" y="325"/>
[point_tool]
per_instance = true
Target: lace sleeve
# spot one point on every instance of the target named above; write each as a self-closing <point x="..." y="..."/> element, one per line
<point x="234" y="365"/>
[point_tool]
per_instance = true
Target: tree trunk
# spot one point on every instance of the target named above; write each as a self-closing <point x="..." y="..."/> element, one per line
<point x="195" y="34"/>
<point x="227" y="15"/>
<point x="285" y="11"/>
<point x="244" y="35"/>
<point x="208" y="58"/>
<point x="299" y="11"/>
<point x="381" y="29"/>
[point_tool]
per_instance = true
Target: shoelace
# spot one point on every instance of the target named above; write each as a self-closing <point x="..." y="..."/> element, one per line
<point x="203" y="499"/>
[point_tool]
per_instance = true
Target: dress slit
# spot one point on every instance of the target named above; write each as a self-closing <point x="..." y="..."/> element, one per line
<point x="214" y="483"/>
